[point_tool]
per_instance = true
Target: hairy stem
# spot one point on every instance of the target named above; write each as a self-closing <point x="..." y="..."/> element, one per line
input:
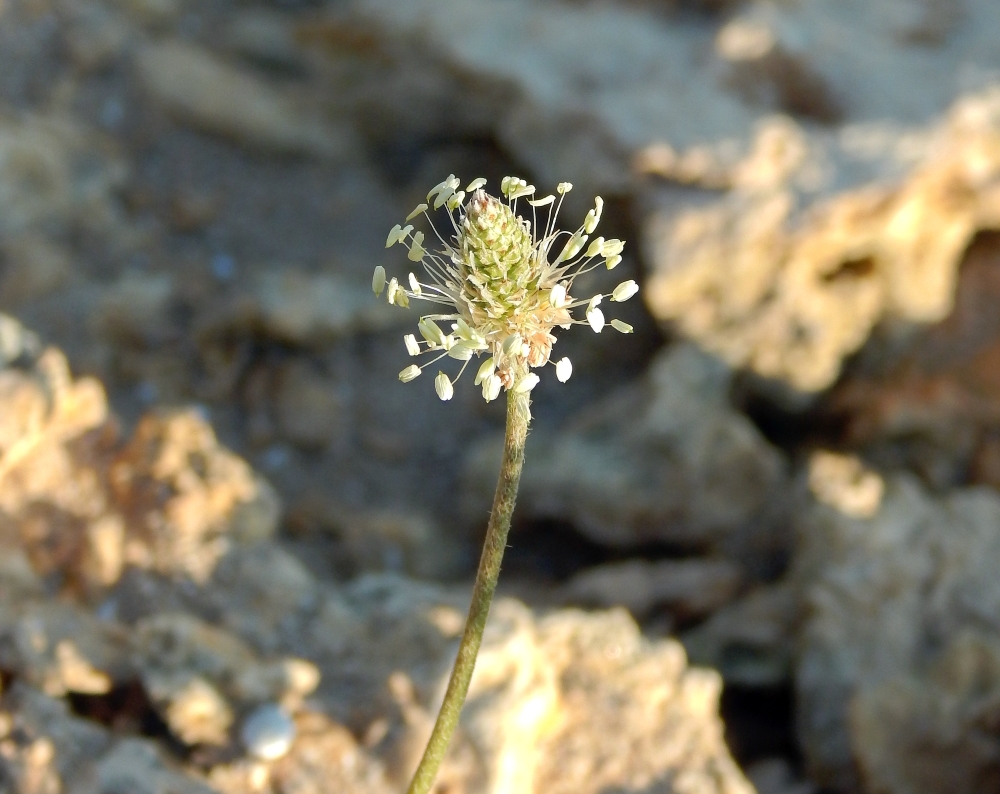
<point x="518" y="417"/>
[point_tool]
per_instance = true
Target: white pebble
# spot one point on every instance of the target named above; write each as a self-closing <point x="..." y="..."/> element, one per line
<point x="268" y="732"/>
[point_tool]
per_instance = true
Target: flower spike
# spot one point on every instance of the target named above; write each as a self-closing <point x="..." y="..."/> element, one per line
<point x="500" y="284"/>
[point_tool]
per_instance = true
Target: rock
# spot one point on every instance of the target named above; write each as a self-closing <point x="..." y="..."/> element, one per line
<point x="547" y="694"/>
<point x="54" y="172"/>
<point x="775" y="776"/>
<point x="822" y="235"/>
<point x="195" y="711"/>
<point x="95" y="36"/>
<point x="185" y="498"/>
<point x="138" y="767"/>
<point x="396" y="541"/>
<point x="670" y="462"/>
<point x="280" y="588"/>
<point x="176" y="599"/>
<point x="47" y="749"/>
<point x="689" y="589"/>
<point x="751" y="641"/>
<point x="897" y="670"/>
<point x="43" y="745"/>
<point x="843" y="482"/>
<point x="541" y="78"/>
<point x="171" y="499"/>
<point x="152" y="13"/>
<point x="307" y="406"/>
<point x="295" y="307"/>
<point x="581" y="703"/>
<point x="220" y="98"/>
<point x="307" y="309"/>
<point x="267" y="38"/>
<point x="268" y="732"/>
<point x="60" y="648"/>
<point x="927" y="399"/>
<point x="33" y="267"/>
<point x="324" y="757"/>
<point x="134" y="311"/>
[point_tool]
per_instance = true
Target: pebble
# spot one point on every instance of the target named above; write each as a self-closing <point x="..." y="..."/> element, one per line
<point x="268" y="732"/>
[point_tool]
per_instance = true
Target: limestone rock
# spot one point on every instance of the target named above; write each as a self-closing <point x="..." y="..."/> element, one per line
<point x="221" y="98"/>
<point x="670" y="462"/>
<point x="566" y="702"/>
<point x="822" y="235"/>
<point x="897" y="671"/>
<point x="185" y="497"/>
<point x="581" y="703"/>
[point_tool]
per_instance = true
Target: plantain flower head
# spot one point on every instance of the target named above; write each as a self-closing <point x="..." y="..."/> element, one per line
<point x="503" y="283"/>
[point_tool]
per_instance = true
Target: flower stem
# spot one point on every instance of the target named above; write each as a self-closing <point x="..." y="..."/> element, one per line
<point x="518" y="417"/>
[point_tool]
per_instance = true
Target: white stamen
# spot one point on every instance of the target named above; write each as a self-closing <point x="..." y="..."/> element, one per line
<point x="443" y="387"/>
<point x="409" y="373"/>
<point x="564" y="368"/>
<point x="624" y="291"/>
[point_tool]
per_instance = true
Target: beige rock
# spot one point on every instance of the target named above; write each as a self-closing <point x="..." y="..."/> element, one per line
<point x="580" y="703"/>
<point x="61" y="648"/>
<point x="543" y="80"/>
<point x="77" y="674"/>
<point x="843" y="482"/>
<point x="566" y="702"/>
<point x="791" y="269"/>
<point x="221" y="98"/>
<point x="196" y="712"/>
<point x="185" y="498"/>
<point x="326" y="755"/>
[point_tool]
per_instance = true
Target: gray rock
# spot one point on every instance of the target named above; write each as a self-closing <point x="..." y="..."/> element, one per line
<point x="689" y="589"/>
<point x="670" y="461"/>
<point x="221" y="98"/>
<point x="898" y="661"/>
<point x="550" y="80"/>
<point x="55" y="172"/>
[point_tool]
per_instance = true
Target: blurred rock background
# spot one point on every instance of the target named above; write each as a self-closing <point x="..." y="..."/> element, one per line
<point x="756" y="543"/>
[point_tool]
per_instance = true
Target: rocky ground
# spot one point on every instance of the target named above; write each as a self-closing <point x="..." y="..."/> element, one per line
<point x="755" y="541"/>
